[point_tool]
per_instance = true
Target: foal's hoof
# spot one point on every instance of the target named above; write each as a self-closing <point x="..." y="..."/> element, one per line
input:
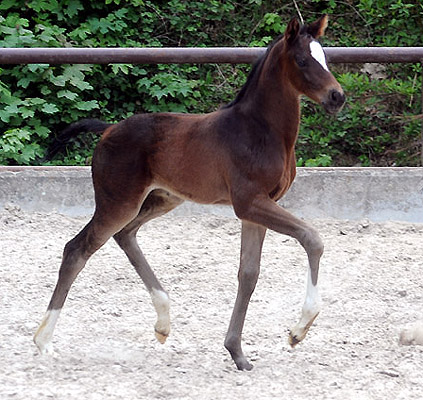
<point x="294" y="339"/>
<point x="161" y="337"/>
<point x="298" y="333"/>
<point x="243" y="365"/>
<point x="44" y="348"/>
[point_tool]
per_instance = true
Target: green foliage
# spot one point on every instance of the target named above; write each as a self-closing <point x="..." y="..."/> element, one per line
<point x="376" y="127"/>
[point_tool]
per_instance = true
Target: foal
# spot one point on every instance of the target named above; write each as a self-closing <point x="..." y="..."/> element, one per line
<point x="240" y="155"/>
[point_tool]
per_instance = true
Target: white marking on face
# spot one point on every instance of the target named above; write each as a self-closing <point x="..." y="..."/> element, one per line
<point x="318" y="54"/>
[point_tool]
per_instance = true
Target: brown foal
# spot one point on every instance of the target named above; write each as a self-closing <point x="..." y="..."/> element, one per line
<point x="240" y="155"/>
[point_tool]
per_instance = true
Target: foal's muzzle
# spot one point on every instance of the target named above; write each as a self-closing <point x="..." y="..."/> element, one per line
<point x="334" y="101"/>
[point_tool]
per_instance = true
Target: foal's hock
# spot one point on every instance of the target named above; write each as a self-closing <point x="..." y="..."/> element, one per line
<point x="240" y="155"/>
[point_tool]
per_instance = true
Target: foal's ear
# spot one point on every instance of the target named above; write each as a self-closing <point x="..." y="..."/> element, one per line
<point x="292" y="30"/>
<point x="317" y="28"/>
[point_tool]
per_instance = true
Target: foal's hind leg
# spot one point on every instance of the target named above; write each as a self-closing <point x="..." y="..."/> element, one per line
<point x="76" y="253"/>
<point x="252" y="237"/>
<point x="157" y="203"/>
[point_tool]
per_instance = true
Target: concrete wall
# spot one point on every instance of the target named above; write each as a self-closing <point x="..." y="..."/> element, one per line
<point x="378" y="194"/>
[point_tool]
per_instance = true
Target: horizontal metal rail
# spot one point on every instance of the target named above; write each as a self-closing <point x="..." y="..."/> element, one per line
<point x="181" y="55"/>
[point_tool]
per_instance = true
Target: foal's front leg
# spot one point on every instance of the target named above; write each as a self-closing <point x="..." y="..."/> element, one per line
<point x="252" y="237"/>
<point x="264" y="211"/>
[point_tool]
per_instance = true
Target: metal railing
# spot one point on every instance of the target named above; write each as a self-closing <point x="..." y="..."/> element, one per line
<point x="180" y="55"/>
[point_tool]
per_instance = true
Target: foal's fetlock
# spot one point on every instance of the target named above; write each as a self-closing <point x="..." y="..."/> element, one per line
<point x="161" y="304"/>
<point x="233" y="345"/>
<point x="44" y="334"/>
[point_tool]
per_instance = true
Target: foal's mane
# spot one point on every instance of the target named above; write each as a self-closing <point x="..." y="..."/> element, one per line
<point x="257" y="67"/>
<point x="254" y="74"/>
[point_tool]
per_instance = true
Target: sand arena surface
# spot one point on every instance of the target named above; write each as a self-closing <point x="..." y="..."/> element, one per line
<point x="371" y="284"/>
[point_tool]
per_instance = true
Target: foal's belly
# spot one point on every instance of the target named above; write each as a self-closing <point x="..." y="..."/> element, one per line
<point x="201" y="183"/>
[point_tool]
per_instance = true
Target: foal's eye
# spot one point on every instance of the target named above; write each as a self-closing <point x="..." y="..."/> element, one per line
<point x="302" y="62"/>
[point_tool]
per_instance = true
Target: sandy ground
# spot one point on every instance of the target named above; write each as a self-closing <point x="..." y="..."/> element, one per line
<point x="371" y="283"/>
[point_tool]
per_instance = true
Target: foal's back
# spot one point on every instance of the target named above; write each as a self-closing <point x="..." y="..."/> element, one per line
<point x="177" y="152"/>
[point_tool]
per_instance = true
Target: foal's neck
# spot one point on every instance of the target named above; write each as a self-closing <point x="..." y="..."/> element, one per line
<point x="275" y="97"/>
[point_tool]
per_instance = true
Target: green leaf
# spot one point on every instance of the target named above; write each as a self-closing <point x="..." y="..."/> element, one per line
<point x="49" y="108"/>
<point x="41" y="131"/>
<point x="68" y="94"/>
<point x="26" y="112"/>
<point x="29" y="152"/>
<point x="144" y="83"/>
<point x="81" y="85"/>
<point x="87" y="105"/>
<point x="6" y="4"/>
<point x="5" y="116"/>
<point x="158" y="92"/>
<point x="36" y="101"/>
<point x="58" y="80"/>
<point x="24" y="82"/>
<point x="12" y="109"/>
<point x="43" y="5"/>
<point x="73" y="7"/>
<point x="124" y="68"/>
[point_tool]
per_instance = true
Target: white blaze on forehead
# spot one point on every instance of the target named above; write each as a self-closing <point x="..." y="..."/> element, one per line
<point x="318" y="54"/>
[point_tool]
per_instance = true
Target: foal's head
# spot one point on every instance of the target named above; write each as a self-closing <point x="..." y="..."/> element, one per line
<point x="305" y="64"/>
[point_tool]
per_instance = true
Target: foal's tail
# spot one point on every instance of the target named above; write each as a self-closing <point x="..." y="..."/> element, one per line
<point x="73" y="130"/>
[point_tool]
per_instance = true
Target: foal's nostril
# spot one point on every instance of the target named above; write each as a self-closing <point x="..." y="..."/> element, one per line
<point x="337" y="97"/>
<point x="334" y="101"/>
